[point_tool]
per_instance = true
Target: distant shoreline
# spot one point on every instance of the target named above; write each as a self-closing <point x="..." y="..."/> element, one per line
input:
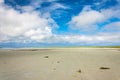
<point x="68" y="47"/>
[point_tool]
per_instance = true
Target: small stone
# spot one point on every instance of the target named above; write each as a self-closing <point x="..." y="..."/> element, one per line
<point x="54" y="69"/>
<point x="46" y="57"/>
<point x="58" y="61"/>
<point x="79" y="71"/>
<point x="104" y="68"/>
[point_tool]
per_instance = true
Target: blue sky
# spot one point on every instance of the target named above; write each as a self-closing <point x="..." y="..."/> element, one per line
<point x="59" y="22"/>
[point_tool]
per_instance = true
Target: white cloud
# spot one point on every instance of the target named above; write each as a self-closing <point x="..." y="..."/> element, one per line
<point x="58" y="6"/>
<point x="113" y="12"/>
<point x="14" y="24"/>
<point x="39" y="34"/>
<point x="89" y="39"/>
<point x="37" y="3"/>
<point x="1" y="1"/>
<point x="112" y="27"/>
<point x="53" y="5"/>
<point x="26" y="8"/>
<point x="87" y="19"/>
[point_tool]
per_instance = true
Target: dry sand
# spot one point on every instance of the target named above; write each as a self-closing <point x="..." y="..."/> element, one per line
<point x="60" y="64"/>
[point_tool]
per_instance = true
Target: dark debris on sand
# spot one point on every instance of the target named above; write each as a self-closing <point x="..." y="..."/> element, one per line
<point x="46" y="56"/>
<point x="54" y="68"/>
<point x="104" y="68"/>
<point x="79" y="71"/>
<point x="58" y="61"/>
<point x="34" y="49"/>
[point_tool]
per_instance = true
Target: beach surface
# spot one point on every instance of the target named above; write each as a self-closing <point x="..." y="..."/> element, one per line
<point x="60" y="64"/>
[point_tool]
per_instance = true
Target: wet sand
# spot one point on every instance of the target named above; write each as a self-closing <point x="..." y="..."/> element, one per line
<point x="60" y="64"/>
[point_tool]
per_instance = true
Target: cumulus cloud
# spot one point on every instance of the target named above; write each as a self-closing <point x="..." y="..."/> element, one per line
<point x="89" y="19"/>
<point x="14" y="24"/>
<point x="86" y="19"/>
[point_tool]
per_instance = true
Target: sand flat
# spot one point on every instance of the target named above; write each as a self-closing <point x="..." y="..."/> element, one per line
<point x="60" y="64"/>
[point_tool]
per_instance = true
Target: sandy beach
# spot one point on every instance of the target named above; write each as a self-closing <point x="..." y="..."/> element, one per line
<point x="60" y="64"/>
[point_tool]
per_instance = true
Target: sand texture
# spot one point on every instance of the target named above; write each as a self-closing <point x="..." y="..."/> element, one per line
<point x="60" y="64"/>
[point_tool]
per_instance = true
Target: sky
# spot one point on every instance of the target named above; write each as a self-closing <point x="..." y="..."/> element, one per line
<point x="35" y="23"/>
